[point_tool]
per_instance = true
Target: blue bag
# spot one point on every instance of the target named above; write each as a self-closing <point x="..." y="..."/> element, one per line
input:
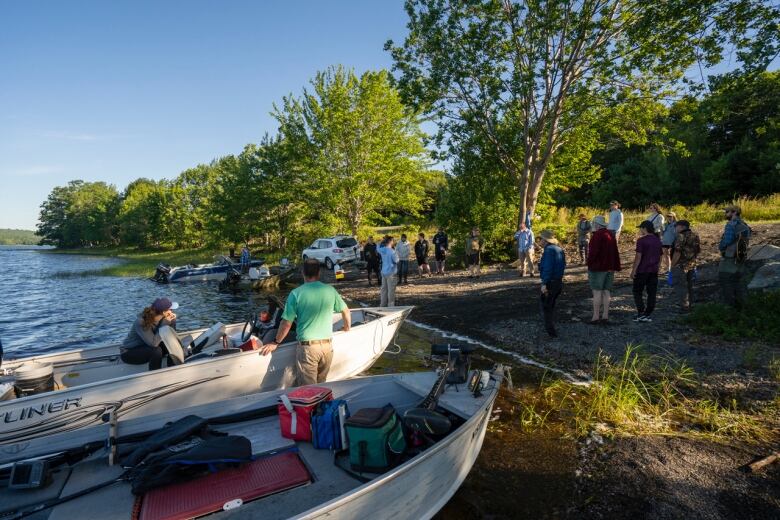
<point x="327" y="425"/>
<point x="669" y="278"/>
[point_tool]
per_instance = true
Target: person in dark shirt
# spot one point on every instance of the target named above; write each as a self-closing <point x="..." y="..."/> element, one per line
<point x="373" y="261"/>
<point x="551" y="269"/>
<point x="603" y="261"/>
<point x="441" y="245"/>
<point x="421" y="254"/>
<point x="644" y="272"/>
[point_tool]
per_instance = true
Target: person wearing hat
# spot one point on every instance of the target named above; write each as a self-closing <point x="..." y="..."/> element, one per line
<point x="603" y="261"/>
<point x="668" y="235"/>
<point x="615" y="219"/>
<point x="551" y="268"/>
<point x="644" y="272"/>
<point x="143" y="343"/>
<point x="686" y="250"/>
<point x="583" y="237"/>
<point x="731" y="269"/>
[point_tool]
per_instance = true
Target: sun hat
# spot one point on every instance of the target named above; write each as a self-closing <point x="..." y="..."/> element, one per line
<point x="548" y="236"/>
<point x="164" y="304"/>
<point x="683" y="223"/>
<point x="600" y="220"/>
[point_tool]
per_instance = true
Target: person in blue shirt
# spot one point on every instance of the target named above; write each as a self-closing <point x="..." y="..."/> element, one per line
<point x="551" y="268"/>
<point x="390" y="259"/>
<point x="731" y="269"/>
<point x="246" y="257"/>
<point x="525" y="249"/>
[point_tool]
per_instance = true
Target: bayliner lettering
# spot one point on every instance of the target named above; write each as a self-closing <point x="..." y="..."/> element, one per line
<point x="35" y="411"/>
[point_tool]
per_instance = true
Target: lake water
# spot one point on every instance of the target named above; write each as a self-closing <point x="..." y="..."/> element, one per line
<point x="49" y="302"/>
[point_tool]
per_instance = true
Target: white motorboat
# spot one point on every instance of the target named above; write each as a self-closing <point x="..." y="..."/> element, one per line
<point x="427" y="477"/>
<point x="93" y="382"/>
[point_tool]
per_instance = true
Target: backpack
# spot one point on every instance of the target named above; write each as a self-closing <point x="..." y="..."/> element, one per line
<point x="326" y="425"/>
<point x="743" y="240"/>
<point x="376" y="439"/>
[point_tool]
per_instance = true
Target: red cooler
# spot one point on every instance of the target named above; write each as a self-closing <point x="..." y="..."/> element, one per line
<point x="296" y="409"/>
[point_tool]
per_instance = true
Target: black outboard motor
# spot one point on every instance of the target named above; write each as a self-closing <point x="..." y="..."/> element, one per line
<point x="460" y="372"/>
<point x="231" y="280"/>
<point x="162" y="273"/>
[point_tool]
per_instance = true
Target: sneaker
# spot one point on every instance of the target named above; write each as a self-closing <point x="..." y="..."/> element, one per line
<point x="645" y="319"/>
<point x="638" y="317"/>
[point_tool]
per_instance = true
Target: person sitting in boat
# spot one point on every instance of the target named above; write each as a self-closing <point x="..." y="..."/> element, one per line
<point x="269" y="321"/>
<point x="143" y="343"/>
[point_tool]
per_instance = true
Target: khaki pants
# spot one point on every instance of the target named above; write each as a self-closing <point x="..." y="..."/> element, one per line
<point x="526" y="258"/>
<point x="312" y="363"/>
<point x="387" y="291"/>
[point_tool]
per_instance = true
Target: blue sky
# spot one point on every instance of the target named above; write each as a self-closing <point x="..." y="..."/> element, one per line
<point x="114" y="91"/>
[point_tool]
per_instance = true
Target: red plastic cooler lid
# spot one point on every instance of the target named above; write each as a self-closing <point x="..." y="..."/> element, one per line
<point x="307" y="395"/>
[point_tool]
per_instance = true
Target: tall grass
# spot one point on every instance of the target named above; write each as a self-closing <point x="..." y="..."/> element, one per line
<point x="563" y="220"/>
<point x="756" y="320"/>
<point x="641" y="394"/>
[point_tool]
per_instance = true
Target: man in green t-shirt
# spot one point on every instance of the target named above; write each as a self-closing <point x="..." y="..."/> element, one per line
<point x="312" y="306"/>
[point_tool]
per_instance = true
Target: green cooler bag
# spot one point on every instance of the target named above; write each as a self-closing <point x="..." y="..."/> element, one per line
<point x="376" y="439"/>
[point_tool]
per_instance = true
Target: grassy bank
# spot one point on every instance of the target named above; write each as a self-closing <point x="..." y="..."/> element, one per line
<point x="143" y="263"/>
<point x="757" y="320"/>
<point x="642" y="395"/>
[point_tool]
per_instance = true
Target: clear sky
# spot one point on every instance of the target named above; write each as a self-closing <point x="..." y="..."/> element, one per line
<point x="113" y="91"/>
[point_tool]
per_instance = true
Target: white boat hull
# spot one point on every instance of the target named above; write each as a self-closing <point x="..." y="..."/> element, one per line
<point x="141" y="392"/>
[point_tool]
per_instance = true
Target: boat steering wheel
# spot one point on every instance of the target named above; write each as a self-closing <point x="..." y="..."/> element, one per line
<point x="251" y="324"/>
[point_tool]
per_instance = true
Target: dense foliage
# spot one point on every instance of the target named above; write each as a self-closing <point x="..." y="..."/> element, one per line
<point x="348" y="154"/>
<point x="9" y="237"/>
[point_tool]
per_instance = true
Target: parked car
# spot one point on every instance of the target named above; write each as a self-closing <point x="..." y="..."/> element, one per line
<point x="339" y="249"/>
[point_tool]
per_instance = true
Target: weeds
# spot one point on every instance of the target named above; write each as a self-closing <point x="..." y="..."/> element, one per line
<point x="756" y="320"/>
<point x="639" y="394"/>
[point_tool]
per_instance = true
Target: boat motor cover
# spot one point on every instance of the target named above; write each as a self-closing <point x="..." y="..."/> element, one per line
<point x="170" y="434"/>
<point x="209" y="337"/>
<point x="172" y="344"/>
<point x="189" y="460"/>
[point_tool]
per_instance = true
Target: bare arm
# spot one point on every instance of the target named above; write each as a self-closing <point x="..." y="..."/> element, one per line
<point x="347" y="316"/>
<point x="675" y="258"/>
<point x="284" y="329"/>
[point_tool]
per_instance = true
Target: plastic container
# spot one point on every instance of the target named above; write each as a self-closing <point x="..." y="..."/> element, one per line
<point x="33" y="378"/>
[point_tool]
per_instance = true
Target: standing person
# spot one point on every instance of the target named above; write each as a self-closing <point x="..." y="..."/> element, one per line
<point x="551" y="269"/>
<point x="603" y="261"/>
<point x="525" y="248"/>
<point x="686" y="250"/>
<point x="474" y="245"/>
<point x="403" y="249"/>
<point x="441" y="245"/>
<point x="644" y="272"/>
<point x="583" y="237"/>
<point x="668" y="237"/>
<point x="656" y="219"/>
<point x="421" y="254"/>
<point x="733" y="250"/>
<point x="389" y="271"/>
<point x="372" y="259"/>
<point x="311" y="306"/>
<point x="246" y="257"/>
<point x="615" y="220"/>
<point x="143" y="343"/>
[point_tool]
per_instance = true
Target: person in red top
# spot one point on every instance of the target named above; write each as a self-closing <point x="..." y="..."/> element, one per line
<point x="603" y="261"/>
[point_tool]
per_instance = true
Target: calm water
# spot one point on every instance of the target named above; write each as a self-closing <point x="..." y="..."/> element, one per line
<point x="50" y="303"/>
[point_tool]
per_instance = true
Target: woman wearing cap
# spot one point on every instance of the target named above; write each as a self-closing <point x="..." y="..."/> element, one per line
<point x="667" y="240"/>
<point x="143" y="344"/>
<point x="603" y="261"/>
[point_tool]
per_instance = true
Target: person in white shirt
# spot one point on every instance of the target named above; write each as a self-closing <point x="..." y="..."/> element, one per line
<point x="656" y="219"/>
<point x="615" y="224"/>
<point x="403" y="249"/>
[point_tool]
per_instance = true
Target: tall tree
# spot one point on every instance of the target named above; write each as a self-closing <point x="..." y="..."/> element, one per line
<point x="362" y="150"/>
<point x="529" y="75"/>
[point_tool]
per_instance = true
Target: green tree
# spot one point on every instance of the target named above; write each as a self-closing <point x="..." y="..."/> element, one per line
<point x="530" y="76"/>
<point x="361" y="151"/>
<point x="141" y="216"/>
<point x="81" y="213"/>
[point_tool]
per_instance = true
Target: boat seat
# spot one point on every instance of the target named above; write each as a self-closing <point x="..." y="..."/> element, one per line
<point x="171" y="341"/>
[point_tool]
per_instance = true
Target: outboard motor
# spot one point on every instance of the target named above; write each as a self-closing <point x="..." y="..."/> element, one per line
<point x="162" y="273"/>
<point x="460" y="371"/>
<point x="231" y="280"/>
<point x="33" y="378"/>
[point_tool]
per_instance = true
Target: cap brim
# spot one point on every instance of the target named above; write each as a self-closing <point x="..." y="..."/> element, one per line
<point x="174" y="306"/>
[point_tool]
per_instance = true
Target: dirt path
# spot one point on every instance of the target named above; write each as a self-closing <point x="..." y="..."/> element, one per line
<point x="527" y="476"/>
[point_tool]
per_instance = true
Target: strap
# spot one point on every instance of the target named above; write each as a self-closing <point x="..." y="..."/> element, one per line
<point x="288" y="405"/>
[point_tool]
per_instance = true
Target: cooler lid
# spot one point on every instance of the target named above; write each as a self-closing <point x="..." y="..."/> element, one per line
<point x="309" y="395"/>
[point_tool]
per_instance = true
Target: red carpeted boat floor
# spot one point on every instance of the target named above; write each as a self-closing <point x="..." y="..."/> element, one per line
<point x="208" y="494"/>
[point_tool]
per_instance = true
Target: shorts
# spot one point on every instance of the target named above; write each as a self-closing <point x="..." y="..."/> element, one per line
<point x="422" y="261"/>
<point x="473" y="258"/>
<point x="601" y="280"/>
<point x="440" y="256"/>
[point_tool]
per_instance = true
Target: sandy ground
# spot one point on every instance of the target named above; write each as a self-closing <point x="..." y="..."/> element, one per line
<point x="528" y="476"/>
